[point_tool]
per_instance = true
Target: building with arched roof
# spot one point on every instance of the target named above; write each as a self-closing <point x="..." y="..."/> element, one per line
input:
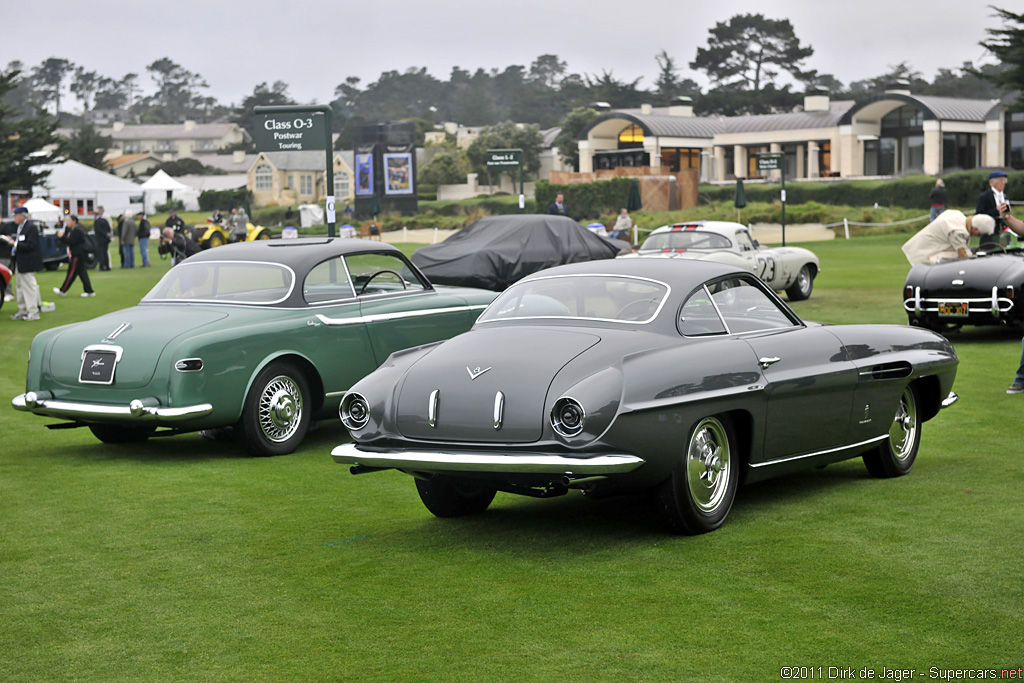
<point x="894" y="133"/>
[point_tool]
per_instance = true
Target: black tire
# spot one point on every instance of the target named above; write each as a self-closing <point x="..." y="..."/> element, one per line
<point x="801" y="289"/>
<point x="698" y="495"/>
<point x="275" y="417"/>
<point x="91" y="261"/>
<point x="118" y="434"/>
<point x="896" y="455"/>
<point x="51" y="265"/>
<point x="449" y="498"/>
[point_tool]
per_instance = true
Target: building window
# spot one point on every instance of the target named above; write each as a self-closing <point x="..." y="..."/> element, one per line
<point x="676" y="159"/>
<point x="960" y="151"/>
<point x="264" y="178"/>
<point x="166" y="146"/>
<point x="306" y="184"/>
<point x="340" y="184"/>
<point x="288" y="182"/>
<point x="633" y="136"/>
<point x="1015" y="140"/>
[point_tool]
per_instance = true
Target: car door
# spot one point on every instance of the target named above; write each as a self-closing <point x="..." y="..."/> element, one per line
<point x="808" y="378"/>
<point x="400" y="308"/>
<point x="335" y="334"/>
<point x="762" y="261"/>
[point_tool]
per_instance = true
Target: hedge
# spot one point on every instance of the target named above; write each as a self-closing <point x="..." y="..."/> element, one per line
<point x="586" y="199"/>
<point x="225" y="200"/>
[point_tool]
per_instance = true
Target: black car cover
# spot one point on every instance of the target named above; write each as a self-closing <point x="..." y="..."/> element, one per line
<point x="494" y="252"/>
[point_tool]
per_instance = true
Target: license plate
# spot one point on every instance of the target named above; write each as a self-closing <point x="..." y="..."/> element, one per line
<point x="953" y="309"/>
<point x="98" y="367"/>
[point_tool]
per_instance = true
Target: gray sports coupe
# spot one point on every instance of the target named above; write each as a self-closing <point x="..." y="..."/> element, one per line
<point x="680" y="378"/>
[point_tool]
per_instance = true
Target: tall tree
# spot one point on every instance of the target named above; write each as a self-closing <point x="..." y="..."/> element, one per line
<point x="507" y="135"/>
<point x="262" y="96"/>
<point x="84" y="85"/>
<point x="567" y="140"/>
<point x="668" y="83"/>
<point x="49" y="79"/>
<point x="86" y="145"/>
<point x="896" y="73"/>
<point x="1007" y="43"/>
<point x="24" y="139"/>
<point x="178" y="91"/>
<point x="749" y="51"/>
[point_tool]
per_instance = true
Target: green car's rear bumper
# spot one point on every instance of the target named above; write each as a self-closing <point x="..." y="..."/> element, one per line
<point x="139" y="411"/>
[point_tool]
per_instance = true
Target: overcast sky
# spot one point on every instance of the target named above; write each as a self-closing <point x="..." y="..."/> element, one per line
<point x="316" y="44"/>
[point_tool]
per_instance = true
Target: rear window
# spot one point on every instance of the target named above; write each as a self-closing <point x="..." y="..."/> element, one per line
<point x="225" y="282"/>
<point x="685" y="239"/>
<point x="586" y="297"/>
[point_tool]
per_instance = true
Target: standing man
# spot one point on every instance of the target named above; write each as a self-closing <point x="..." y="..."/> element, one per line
<point x="990" y="200"/>
<point x="101" y="227"/>
<point x="143" y="235"/>
<point x="128" y="233"/>
<point x="947" y="237"/>
<point x="557" y="207"/>
<point x="27" y="256"/>
<point x="938" y="199"/>
<point x="74" y="237"/>
<point x="174" y="222"/>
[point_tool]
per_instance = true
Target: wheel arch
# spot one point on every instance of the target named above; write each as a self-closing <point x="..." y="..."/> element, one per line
<point x="304" y="365"/>
<point x="926" y="391"/>
<point x="743" y="429"/>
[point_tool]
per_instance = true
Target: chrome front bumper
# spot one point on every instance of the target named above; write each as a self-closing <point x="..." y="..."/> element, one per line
<point x="136" y="411"/>
<point x="476" y="461"/>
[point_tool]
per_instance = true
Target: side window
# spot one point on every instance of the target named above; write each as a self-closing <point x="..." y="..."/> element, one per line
<point x="382" y="274"/>
<point x="743" y="240"/>
<point x="745" y="307"/>
<point x="327" y="282"/>
<point x="698" y="316"/>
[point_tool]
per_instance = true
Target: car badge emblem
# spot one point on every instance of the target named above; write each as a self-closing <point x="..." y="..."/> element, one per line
<point x="98" y="363"/>
<point x="473" y="374"/>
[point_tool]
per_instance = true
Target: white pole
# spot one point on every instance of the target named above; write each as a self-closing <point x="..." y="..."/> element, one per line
<point x="405" y="234"/>
<point x="635" y="235"/>
<point x="846" y="227"/>
<point x="435" y="234"/>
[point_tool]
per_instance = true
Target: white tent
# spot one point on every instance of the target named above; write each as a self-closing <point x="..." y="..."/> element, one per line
<point x="162" y="188"/>
<point x="83" y="188"/>
<point x="43" y="211"/>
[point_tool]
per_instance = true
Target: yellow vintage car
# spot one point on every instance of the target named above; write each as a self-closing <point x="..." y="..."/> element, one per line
<point x="215" y="234"/>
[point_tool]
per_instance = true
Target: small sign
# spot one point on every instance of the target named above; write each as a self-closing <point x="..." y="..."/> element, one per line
<point x="504" y="159"/>
<point x="291" y="132"/>
<point x="769" y="162"/>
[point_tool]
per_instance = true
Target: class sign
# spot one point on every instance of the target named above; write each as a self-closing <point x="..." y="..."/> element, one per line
<point x="503" y="159"/>
<point x="292" y="132"/>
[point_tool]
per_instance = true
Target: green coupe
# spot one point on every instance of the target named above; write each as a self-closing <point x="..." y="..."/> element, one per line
<point x="260" y="336"/>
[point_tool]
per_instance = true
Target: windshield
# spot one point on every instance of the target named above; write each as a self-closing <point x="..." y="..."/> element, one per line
<point x="685" y="239"/>
<point x="225" y="282"/>
<point x="587" y="297"/>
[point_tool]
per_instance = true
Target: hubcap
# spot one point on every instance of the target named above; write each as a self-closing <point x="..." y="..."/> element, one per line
<point x="903" y="431"/>
<point x="280" y="409"/>
<point x="803" y="280"/>
<point x="707" y="465"/>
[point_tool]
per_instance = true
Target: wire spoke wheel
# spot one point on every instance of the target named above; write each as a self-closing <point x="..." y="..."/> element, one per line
<point x="280" y="409"/>
<point x="276" y="414"/>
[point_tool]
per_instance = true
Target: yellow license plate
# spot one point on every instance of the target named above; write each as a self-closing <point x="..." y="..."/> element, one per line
<point x="953" y="309"/>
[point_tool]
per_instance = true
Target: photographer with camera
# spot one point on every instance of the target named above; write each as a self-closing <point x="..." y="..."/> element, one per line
<point x="178" y="244"/>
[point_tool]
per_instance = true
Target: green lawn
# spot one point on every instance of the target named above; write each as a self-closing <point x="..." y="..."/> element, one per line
<point x="185" y="560"/>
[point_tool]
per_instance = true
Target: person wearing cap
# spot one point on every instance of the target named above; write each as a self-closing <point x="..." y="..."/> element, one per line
<point x="27" y="255"/>
<point x="73" y="235"/>
<point x="947" y="237"/>
<point x="990" y="201"/>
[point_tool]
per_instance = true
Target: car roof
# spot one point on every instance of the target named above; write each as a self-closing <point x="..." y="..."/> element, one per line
<point x="683" y="275"/>
<point x="299" y="254"/>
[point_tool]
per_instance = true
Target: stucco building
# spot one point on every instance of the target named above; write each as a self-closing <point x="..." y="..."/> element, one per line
<point x="293" y="178"/>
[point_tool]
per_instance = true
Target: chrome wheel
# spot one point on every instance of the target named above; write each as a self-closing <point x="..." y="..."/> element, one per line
<point x="903" y="431"/>
<point x="708" y="463"/>
<point x="280" y="409"/>
<point x="803" y="285"/>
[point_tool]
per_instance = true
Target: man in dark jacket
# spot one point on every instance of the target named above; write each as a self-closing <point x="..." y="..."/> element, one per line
<point x="143" y="235"/>
<point x="178" y="244"/>
<point x="27" y="254"/>
<point x="101" y="226"/>
<point x="557" y="207"/>
<point x="128" y="235"/>
<point x="73" y="235"/>
<point x="991" y="201"/>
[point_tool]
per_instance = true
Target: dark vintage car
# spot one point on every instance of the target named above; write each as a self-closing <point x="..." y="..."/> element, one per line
<point x="680" y="378"/>
<point x="984" y="290"/>
<point x="494" y="252"/>
<point x="263" y="336"/>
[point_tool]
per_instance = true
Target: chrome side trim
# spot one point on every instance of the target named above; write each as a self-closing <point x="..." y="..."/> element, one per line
<point x="379" y="317"/>
<point x="475" y="461"/>
<point x="70" y="410"/>
<point x="822" y="452"/>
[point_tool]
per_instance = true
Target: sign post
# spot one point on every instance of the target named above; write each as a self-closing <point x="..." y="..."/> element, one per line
<point x="296" y="128"/>
<point x="776" y="161"/>
<point x="505" y="161"/>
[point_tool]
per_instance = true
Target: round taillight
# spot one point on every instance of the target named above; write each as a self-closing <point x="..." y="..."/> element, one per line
<point x="355" y="411"/>
<point x="568" y="417"/>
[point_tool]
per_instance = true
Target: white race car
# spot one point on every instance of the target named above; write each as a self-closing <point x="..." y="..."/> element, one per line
<point x="789" y="269"/>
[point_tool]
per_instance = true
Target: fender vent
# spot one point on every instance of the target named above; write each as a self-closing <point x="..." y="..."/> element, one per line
<point x="897" y="370"/>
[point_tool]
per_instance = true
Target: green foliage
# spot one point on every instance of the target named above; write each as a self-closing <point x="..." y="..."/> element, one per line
<point x="447" y="166"/>
<point x="1007" y="43"/>
<point x="23" y="139"/>
<point x="583" y="200"/>
<point x="225" y="200"/>
<point x="188" y="166"/>
<point x="172" y="205"/>
<point x="86" y="146"/>
<point x="275" y="95"/>
<point x="567" y="140"/>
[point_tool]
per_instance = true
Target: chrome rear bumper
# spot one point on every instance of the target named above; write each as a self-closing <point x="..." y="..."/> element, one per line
<point x="136" y="411"/>
<point x="476" y="461"/>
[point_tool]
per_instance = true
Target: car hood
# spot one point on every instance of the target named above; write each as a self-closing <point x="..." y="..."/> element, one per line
<point x="977" y="275"/>
<point x="145" y="331"/>
<point x="468" y="372"/>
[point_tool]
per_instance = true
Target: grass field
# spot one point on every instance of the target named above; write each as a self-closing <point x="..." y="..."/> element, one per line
<point x="184" y="560"/>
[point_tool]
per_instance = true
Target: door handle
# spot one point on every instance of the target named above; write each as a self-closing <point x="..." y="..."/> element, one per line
<point x="766" y="361"/>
